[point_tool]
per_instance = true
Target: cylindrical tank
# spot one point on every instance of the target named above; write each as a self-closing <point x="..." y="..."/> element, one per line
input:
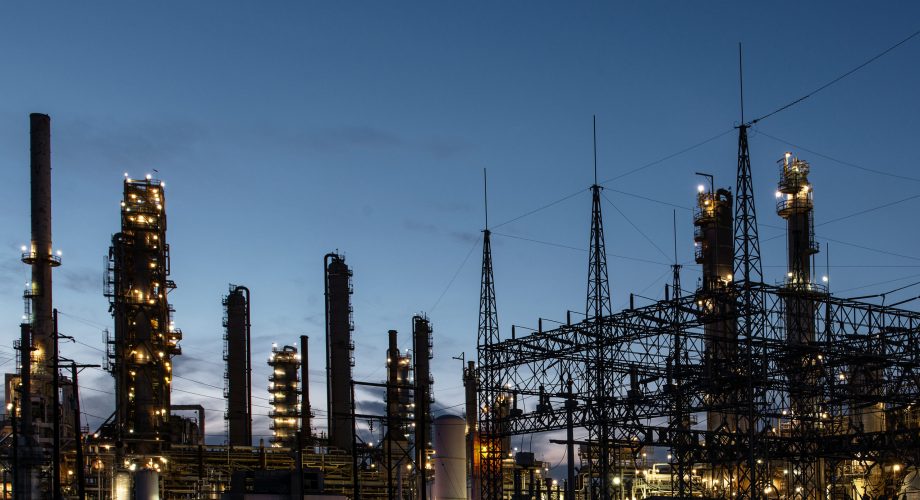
<point x="122" y="486"/>
<point x="146" y="485"/>
<point x="449" y="459"/>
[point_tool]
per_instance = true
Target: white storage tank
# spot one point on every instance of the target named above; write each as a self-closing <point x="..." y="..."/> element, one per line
<point x="449" y="458"/>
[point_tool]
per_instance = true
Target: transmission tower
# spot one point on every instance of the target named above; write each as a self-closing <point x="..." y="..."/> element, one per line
<point x="491" y="452"/>
<point x="597" y="307"/>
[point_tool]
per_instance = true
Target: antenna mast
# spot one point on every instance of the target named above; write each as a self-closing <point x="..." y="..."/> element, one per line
<point x="748" y="274"/>
<point x="490" y="451"/>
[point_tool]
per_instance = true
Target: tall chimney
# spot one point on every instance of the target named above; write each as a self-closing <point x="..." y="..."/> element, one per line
<point x="39" y="255"/>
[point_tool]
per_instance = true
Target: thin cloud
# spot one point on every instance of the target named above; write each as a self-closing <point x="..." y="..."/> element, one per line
<point x="128" y="146"/>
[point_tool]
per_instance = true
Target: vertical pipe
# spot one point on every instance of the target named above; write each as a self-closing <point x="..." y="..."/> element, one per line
<point x="25" y="375"/>
<point x="392" y="402"/>
<point x="421" y="332"/>
<point x="16" y="471"/>
<point x="570" y="442"/>
<point x="298" y="465"/>
<point x="326" y="259"/>
<point x="472" y="440"/>
<point x="78" y="435"/>
<point x="356" y="486"/>
<point x="55" y="409"/>
<point x="306" y="435"/>
<point x="248" y="367"/>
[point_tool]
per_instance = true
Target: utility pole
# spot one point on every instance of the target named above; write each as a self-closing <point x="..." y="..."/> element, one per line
<point x="12" y="409"/>
<point x="55" y="409"/>
<point x="78" y="442"/>
<point x="570" y="442"/>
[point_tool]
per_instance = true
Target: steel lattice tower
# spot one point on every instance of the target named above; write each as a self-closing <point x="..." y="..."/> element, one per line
<point x="490" y="445"/>
<point x="750" y="322"/>
<point x="597" y="307"/>
<point x="490" y="450"/>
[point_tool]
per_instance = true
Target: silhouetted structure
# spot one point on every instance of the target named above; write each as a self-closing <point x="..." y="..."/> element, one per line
<point x="806" y="394"/>
<point x="238" y="371"/>
<point x="339" y="352"/>
<point x="422" y="353"/>
<point x="137" y="285"/>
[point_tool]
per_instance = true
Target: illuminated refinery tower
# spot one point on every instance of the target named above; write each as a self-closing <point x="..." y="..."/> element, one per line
<point x="399" y="411"/>
<point x="795" y="204"/>
<point x="145" y="341"/>
<point x="714" y="243"/>
<point x="399" y="391"/>
<point x="339" y="349"/>
<point x="238" y="371"/>
<point x="283" y="385"/>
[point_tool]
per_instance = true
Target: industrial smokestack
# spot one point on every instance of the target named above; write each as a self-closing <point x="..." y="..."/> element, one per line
<point x="39" y="255"/>
<point x="339" y="347"/>
<point x="238" y="355"/>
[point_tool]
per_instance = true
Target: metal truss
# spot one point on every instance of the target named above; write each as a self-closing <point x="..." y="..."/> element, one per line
<point x="801" y="407"/>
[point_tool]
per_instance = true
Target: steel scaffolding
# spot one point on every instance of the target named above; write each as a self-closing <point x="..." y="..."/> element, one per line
<point x="755" y="390"/>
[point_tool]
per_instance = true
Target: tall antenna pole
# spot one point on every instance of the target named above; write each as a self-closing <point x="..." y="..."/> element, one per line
<point x="680" y="421"/>
<point x="485" y="194"/>
<point x="596" y="308"/>
<point x="674" y="229"/>
<point x="747" y="268"/>
<point x="490" y="378"/>
<point x="595" y="149"/>
<point x="741" y="81"/>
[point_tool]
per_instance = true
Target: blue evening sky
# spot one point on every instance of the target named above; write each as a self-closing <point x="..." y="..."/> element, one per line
<point x="285" y="130"/>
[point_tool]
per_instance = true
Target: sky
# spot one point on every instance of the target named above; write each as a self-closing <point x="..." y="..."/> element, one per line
<point x="286" y="130"/>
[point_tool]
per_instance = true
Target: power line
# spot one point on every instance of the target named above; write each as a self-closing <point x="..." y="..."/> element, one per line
<point x="635" y="226"/>
<point x="883" y="283"/>
<point x="569" y="247"/>
<point x="544" y="207"/>
<point x="624" y="174"/>
<point x="454" y="277"/>
<point x="837" y="160"/>
<point x="863" y="247"/>
<point x="646" y="198"/>
<point x="835" y="80"/>
<point x="862" y="212"/>
<point x="668" y="157"/>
